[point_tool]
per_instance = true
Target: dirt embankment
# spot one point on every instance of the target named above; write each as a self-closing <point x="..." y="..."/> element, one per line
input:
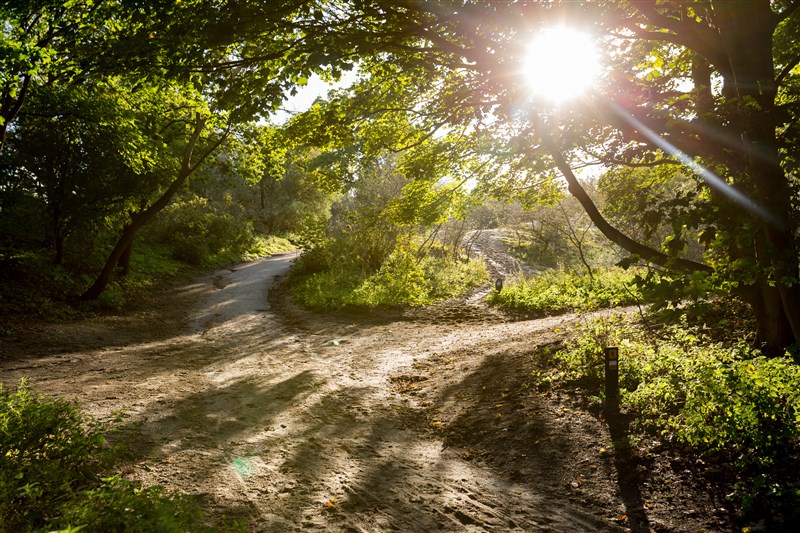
<point x="294" y="421"/>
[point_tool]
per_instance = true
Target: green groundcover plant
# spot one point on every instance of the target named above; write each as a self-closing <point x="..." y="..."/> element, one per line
<point x="722" y="399"/>
<point x="57" y="474"/>
<point x="402" y="279"/>
<point x="554" y="292"/>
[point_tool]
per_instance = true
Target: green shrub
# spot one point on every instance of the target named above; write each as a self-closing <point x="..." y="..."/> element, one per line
<point x="331" y="289"/>
<point x="119" y="505"/>
<point x="264" y="245"/>
<point x="196" y="232"/>
<point x="52" y="462"/>
<point x="50" y="452"/>
<point x="557" y="291"/>
<point x="30" y="284"/>
<point x="401" y="280"/>
<point x="446" y="277"/>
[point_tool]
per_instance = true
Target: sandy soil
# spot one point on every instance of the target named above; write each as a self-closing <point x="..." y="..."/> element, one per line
<point x="417" y="421"/>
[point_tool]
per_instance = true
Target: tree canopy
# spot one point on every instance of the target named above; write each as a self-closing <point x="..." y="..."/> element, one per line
<point x="702" y="94"/>
<point x="707" y="87"/>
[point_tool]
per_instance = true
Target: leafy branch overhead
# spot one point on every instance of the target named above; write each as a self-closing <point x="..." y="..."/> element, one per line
<point x="708" y="87"/>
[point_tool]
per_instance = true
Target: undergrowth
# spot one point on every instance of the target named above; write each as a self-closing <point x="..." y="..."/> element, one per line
<point x="57" y="474"/>
<point x="720" y="399"/>
<point x="554" y="292"/>
<point x="403" y="279"/>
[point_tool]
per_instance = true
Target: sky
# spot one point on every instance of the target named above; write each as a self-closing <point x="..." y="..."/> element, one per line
<point x="306" y="95"/>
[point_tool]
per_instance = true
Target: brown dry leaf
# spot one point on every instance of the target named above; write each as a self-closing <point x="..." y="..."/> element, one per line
<point x="330" y="503"/>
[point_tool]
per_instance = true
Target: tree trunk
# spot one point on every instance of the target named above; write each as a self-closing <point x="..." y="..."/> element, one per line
<point x="612" y="233"/>
<point x="747" y="31"/>
<point x="146" y="215"/>
<point x="58" y="242"/>
<point x="773" y="331"/>
<point x="10" y="107"/>
<point x="124" y="262"/>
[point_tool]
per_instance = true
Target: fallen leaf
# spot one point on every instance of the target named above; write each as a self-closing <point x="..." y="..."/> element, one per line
<point x="330" y="503"/>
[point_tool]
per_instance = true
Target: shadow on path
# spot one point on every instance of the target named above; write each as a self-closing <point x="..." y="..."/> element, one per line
<point x="628" y="472"/>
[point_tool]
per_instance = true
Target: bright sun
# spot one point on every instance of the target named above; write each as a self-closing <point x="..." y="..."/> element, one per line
<point x="561" y="64"/>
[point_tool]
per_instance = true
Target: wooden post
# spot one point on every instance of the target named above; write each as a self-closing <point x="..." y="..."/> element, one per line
<point x="612" y="378"/>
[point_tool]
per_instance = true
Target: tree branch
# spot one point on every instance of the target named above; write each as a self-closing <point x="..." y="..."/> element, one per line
<point x="788" y="12"/>
<point x="785" y="71"/>
<point x="612" y="233"/>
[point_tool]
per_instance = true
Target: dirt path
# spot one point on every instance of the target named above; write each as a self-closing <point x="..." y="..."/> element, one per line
<point x="300" y="422"/>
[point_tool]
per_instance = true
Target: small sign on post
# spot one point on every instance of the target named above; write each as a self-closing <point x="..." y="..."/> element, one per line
<point x="612" y="378"/>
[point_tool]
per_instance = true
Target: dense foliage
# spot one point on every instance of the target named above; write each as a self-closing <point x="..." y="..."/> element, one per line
<point x="704" y="93"/>
<point x="554" y="292"/>
<point x="721" y="398"/>
<point x="381" y="246"/>
<point x="402" y="280"/>
<point x="694" y="109"/>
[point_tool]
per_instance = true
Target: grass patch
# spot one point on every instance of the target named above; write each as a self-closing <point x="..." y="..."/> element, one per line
<point x="555" y="292"/>
<point x="401" y="280"/>
<point x="265" y="245"/>
<point x="57" y="474"/>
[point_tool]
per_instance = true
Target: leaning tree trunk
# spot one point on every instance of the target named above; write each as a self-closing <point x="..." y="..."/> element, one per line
<point x="146" y="215"/>
<point x="124" y="262"/>
<point x="10" y="105"/>
<point x="773" y="331"/>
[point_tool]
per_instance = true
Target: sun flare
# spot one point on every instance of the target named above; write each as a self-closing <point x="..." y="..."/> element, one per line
<point x="562" y="63"/>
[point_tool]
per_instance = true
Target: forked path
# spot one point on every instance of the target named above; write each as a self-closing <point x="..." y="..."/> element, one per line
<point x="297" y="422"/>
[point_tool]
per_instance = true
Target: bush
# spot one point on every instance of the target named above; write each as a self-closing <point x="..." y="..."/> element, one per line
<point x="31" y="285"/>
<point x="51" y="475"/>
<point x="555" y="292"/>
<point x="50" y="452"/>
<point x="196" y="231"/>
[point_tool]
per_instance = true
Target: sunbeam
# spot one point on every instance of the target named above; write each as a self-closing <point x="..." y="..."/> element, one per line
<point x="712" y="179"/>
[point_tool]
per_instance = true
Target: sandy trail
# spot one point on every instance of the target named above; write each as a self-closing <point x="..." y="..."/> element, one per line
<point x="300" y="422"/>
